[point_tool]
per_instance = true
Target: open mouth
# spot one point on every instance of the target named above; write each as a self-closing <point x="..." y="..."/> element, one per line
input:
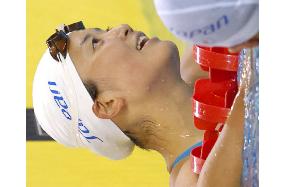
<point x="141" y="40"/>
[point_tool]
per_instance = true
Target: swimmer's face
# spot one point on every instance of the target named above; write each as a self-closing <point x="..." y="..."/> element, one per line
<point x="113" y="60"/>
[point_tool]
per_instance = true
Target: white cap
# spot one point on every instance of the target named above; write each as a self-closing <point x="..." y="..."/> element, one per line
<point x="63" y="108"/>
<point x="224" y="23"/>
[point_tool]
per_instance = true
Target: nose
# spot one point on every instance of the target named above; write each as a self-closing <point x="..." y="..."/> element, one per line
<point x="122" y="31"/>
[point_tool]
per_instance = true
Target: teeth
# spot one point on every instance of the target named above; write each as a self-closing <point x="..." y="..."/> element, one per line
<point x="141" y="38"/>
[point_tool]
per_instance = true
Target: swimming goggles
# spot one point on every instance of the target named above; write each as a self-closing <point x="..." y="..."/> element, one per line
<point x="57" y="42"/>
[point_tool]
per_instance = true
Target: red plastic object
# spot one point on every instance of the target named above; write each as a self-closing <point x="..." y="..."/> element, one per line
<point x="216" y="75"/>
<point x="210" y="135"/>
<point x="199" y="154"/>
<point x="196" y="162"/>
<point x="216" y="58"/>
<point x="212" y="98"/>
<point x="209" y="139"/>
<point x="210" y="102"/>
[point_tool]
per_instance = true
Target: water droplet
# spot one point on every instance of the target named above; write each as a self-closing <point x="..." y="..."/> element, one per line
<point x="157" y="124"/>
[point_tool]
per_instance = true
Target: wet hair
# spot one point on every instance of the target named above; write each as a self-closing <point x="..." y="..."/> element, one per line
<point x="93" y="91"/>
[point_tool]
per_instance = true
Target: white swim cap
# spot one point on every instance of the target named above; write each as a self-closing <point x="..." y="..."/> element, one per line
<point x="224" y="23"/>
<point x="63" y="108"/>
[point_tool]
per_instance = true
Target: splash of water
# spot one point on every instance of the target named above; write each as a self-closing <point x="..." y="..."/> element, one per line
<point x="251" y="126"/>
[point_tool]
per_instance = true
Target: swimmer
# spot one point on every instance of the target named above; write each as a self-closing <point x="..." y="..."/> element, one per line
<point x="110" y="89"/>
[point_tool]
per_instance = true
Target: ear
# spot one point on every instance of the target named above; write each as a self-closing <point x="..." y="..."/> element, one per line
<point x="108" y="109"/>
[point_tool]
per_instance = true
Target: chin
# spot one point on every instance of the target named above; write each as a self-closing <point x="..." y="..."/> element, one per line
<point x="166" y="61"/>
<point x="174" y="51"/>
<point x="171" y="55"/>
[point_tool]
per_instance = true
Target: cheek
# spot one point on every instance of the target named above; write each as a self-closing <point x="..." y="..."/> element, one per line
<point x="121" y="64"/>
<point x="154" y="65"/>
<point x="135" y="72"/>
<point x="132" y="74"/>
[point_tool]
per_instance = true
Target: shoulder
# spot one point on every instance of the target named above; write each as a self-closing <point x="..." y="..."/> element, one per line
<point x="183" y="176"/>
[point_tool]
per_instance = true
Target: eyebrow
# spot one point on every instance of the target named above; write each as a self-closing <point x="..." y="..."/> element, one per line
<point x="85" y="39"/>
<point x="97" y="29"/>
<point x="88" y="36"/>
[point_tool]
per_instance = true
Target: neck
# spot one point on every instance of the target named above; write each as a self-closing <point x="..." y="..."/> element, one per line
<point x="175" y="132"/>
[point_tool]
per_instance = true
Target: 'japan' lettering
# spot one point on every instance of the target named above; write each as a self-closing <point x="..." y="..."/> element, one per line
<point x="59" y="100"/>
